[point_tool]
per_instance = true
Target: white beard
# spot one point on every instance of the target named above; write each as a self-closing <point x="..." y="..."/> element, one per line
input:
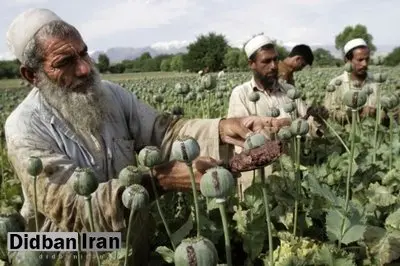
<point x="83" y="110"/>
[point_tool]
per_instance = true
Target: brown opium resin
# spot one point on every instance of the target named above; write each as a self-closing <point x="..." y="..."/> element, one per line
<point x="256" y="158"/>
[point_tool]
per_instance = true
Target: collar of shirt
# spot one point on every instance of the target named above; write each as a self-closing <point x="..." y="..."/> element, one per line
<point x="368" y="79"/>
<point x="275" y="88"/>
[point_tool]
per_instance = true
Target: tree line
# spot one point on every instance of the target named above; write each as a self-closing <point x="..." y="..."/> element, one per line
<point x="211" y="52"/>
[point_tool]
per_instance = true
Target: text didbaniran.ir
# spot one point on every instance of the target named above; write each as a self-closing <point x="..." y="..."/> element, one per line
<point x="64" y="241"/>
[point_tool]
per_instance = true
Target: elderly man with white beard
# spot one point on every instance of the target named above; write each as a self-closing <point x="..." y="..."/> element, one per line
<point x="72" y="118"/>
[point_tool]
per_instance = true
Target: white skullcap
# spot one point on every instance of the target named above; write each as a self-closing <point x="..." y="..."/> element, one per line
<point x="256" y="43"/>
<point x="354" y="43"/>
<point x="25" y="26"/>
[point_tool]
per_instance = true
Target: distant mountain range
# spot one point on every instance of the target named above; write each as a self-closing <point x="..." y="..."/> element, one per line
<point x="118" y="54"/>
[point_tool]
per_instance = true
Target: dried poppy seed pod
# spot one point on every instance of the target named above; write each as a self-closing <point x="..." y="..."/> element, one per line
<point x="84" y="181"/>
<point x="130" y="175"/>
<point x="158" y="98"/>
<point x="330" y="88"/>
<point x="198" y="251"/>
<point x="289" y="107"/>
<point x="284" y="133"/>
<point x="338" y="82"/>
<point x="185" y="149"/>
<point x="254" y="96"/>
<point x="254" y="140"/>
<point x="150" y="156"/>
<point x="273" y="112"/>
<point x="348" y="67"/>
<point x="355" y="98"/>
<point x="217" y="182"/>
<point x="35" y="166"/>
<point x="293" y="93"/>
<point x="379" y="77"/>
<point x="299" y="127"/>
<point x="135" y="197"/>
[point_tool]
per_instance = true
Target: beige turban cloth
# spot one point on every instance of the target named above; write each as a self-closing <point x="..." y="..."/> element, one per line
<point x="24" y="27"/>
<point x="256" y="43"/>
<point x="353" y="44"/>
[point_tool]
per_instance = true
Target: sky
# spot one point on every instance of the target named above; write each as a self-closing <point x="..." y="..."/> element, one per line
<point x="166" y="23"/>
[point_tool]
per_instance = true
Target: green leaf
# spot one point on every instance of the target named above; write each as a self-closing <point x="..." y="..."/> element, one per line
<point x="324" y="256"/>
<point x="393" y="220"/>
<point x="380" y="195"/>
<point x="353" y="230"/>
<point x="166" y="253"/>
<point x="384" y="246"/>
<point x="183" y="231"/>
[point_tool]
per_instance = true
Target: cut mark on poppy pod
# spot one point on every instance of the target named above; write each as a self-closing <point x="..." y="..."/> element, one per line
<point x="215" y="180"/>
<point x="184" y="153"/>
<point x="355" y="98"/>
<point x="299" y="126"/>
<point x="191" y="255"/>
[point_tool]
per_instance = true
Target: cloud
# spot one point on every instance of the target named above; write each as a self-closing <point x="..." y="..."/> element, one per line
<point x="131" y="15"/>
<point x="170" y="45"/>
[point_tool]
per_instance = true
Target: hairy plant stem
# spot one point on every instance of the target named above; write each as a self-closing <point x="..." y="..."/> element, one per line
<point x="228" y="250"/>
<point x="196" y="204"/>
<point x="153" y="184"/>
<point x="91" y="220"/>
<point x="35" y="202"/>
<point x="377" y="121"/>
<point x="350" y="169"/>
<point x="267" y="214"/>
<point x="391" y="140"/>
<point x="297" y="183"/>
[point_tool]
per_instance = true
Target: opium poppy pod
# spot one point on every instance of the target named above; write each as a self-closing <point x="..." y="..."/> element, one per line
<point x="299" y="127"/>
<point x="150" y="156"/>
<point x="217" y="182"/>
<point x="185" y="149"/>
<point x="84" y="181"/>
<point x="130" y="175"/>
<point x="135" y="197"/>
<point x="273" y="112"/>
<point x="293" y="93"/>
<point x="355" y="98"/>
<point x="254" y="140"/>
<point x="284" y="133"/>
<point x="254" y="96"/>
<point x="198" y="251"/>
<point x="35" y="166"/>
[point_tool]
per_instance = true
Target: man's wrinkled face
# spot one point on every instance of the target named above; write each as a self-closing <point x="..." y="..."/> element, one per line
<point x="71" y="84"/>
<point x="360" y="61"/>
<point x="265" y="66"/>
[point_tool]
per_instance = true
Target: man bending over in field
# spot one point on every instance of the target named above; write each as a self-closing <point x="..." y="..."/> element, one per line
<point x="263" y="61"/>
<point x="300" y="56"/>
<point x="71" y="118"/>
<point x="357" y="54"/>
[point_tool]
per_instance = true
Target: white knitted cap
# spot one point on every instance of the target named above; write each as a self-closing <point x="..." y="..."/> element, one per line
<point x="354" y="43"/>
<point x="24" y="27"/>
<point x="256" y="43"/>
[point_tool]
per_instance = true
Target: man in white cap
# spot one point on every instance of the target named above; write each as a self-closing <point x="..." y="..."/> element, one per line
<point x="263" y="61"/>
<point x="71" y="118"/>
<point x="357" y="54"/>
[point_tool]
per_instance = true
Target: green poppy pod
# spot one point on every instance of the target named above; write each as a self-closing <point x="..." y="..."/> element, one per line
<point x="273" y="112"/>
<point x="289" y="107"/>
<point x="84" y="181"/>
<point x="130" y="175"/>
<point x="355" y="98"/>
<point x="208" y="82"/>
<point x="330" y="88"/>
<point x="293" y="93"/>
<point x="299" y="127"/>
<point x="379" y="77"/>
<point x="254" y="140"/>
<point x="254" y="96"/>
<point x="348" y="67"/>
<point x="198" y="251"/>
<point x="284" y="133"/>
<point x="338" y="82"/>
<point x="150" y="156"/>
<point x="135" y="197"/>
<point x="35" y="166"/>
<point x="185" y="149"/>
<point x="217" y="182"/>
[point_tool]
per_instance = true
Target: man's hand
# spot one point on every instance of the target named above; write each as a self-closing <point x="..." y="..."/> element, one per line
<point x="235" y="130"/>
<point x="174" y="175"/>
